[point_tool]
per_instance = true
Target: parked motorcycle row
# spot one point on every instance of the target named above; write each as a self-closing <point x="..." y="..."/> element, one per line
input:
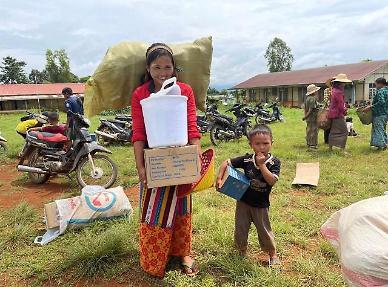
<point x="45" y="154"/>
<point x="223" y="128"/>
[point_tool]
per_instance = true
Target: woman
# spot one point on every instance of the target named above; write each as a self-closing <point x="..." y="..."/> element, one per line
<point x="311" y="116"/>
<point x="337" y="111"/>
<point x="379" y="115"/>
<point x="169" y="231"/>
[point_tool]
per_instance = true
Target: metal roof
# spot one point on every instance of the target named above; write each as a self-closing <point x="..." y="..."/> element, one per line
<point x="355" y="72"/>
<point x="39" y="89"/>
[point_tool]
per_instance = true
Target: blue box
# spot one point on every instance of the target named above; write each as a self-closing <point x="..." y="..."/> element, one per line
<point x="234" y="183"/>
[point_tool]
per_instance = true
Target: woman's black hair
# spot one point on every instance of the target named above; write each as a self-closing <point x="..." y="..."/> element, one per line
<point x="260" y="129"/>
<point x="382" y="81"/>
<point x="150" y="57"/>
<point x="336" y="84"/>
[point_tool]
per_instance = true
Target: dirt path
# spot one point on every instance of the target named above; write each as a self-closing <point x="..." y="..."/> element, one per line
<point x="15" y="188"/>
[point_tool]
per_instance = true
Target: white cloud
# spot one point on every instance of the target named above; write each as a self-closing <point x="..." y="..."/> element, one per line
<point x="318" y="32"/>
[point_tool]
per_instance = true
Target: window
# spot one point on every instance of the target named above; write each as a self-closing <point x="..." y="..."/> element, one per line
<point x="372" y="90"/>
<point x="274" y="92"/>
<point x="252" y="95"/>
<point x="283" y="94"/>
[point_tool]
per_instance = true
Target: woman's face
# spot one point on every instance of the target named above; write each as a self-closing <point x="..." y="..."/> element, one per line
<point x="161" y="69"/>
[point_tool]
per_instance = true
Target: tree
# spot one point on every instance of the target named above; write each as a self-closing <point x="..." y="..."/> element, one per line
<point x="279" y="56"/>
<point x="58" y="67"/>
<point x="12" y="71"/>
<point x="212" y="91"/>
<point x="37" y="77"/>
<point x="84" y="79"/>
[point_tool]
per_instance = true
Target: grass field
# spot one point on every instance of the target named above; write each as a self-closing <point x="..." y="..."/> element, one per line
<point x="107" y="250"/>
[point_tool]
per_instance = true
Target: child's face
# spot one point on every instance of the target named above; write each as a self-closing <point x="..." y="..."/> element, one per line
<point x="161" y="69"/>
<point x="261" y="143"/>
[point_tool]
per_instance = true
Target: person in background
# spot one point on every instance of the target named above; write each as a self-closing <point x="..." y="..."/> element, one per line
<point x="73" y="104"/>
<point x="263" y="170"/>
<point x="379" y="115"/>
<point x="24" y="126"/>
<point x="337" y="111"/>
<point x="350" y="127"/>
<point x="326" y="104"/>
<point x="53" y="125"/>
<point x="311" y="115"/>
<point x="169" y="232"/>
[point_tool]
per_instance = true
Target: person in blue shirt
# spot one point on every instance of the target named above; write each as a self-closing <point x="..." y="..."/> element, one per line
<point x="73" y="104"/>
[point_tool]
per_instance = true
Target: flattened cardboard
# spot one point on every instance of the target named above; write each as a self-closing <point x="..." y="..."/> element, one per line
<point x="234" y="183"/>
<point x="51" y="214"/>
<point x="172" y="166"/>
<point x="307" y="174"/>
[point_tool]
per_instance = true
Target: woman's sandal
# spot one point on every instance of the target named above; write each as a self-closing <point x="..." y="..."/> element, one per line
<point x="190" y="269"/>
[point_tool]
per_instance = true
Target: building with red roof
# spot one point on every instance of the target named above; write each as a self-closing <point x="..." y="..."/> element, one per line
<point x="36" y="96"/>
<point x="290" y="87"/>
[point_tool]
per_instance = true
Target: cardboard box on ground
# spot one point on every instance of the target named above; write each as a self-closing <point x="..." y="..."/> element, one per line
<point x="172" y="166"/>
<point x="234" y="183"/>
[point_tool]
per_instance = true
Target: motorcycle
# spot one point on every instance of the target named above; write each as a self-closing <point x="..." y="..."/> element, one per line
<point x="45" y="156"/>
<point x="203" y="124"/>
<point x="226" y="129"/>
<point x="263" y="116"/>
<point x="118" y="129"/>
<point x="3" y="145"/>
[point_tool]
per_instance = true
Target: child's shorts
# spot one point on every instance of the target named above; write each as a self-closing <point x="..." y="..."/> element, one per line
<point x="244" y="216"/>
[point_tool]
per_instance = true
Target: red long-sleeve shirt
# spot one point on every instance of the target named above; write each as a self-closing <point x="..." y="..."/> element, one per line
<point x="337" y="104"/>
<point x="142" y="92"/>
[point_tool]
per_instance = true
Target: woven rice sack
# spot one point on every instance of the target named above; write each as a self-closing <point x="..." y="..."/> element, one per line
<point x="120" y="71"/>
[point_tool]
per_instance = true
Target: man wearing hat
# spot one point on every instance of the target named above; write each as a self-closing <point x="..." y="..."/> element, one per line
<point x="310" y="116"/>
<point x="337" y="111"/>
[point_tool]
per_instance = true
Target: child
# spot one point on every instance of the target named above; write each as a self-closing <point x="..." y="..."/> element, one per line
<point x="262" y="169"/>
<point x="311" y="116"/>
<point x="53" y="125"/>
<point x="349" y="125"/>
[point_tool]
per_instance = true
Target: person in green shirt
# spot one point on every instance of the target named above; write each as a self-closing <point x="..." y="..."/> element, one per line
<point x="379" y="108"/>
<point x="310" y="116"/>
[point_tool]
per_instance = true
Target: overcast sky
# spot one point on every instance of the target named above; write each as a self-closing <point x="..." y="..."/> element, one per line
<point x="318" y="32"/>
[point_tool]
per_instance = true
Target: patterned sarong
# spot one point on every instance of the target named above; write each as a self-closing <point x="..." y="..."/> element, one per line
<point x="165" y="227"/>
<point x="379" y="134"/>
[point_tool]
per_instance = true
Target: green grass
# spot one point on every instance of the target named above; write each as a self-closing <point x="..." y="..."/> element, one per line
<point x="106" y="250"/>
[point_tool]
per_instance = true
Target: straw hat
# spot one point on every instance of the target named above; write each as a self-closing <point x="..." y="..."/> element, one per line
<point x="328" y="82"/>
<point x="342" y="78"/>
<point x="311" y="89"/>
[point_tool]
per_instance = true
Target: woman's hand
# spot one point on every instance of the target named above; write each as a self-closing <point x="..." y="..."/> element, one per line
<point x="366" y="109"/>
<point x="142" y="175"/>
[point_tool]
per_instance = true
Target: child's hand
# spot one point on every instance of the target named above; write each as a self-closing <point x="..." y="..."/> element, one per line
<point x="260" y="158"/>
<point x="218" y="183"/>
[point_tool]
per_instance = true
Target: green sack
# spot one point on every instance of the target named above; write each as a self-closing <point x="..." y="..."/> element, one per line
<point x="112" y="84"/>
<point x="365" y="118"/>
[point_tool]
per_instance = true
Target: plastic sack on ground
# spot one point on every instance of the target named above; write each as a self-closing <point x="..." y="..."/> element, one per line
<point x="92" y="205"/>
<point x="120" y="71"/>
<point x="359" y="233"/>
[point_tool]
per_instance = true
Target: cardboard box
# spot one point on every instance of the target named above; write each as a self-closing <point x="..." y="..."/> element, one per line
<point x="172" y="166"/>
<point x="234" y="183"/>
<point x="307" y="174"/>
<point x="51" y="214"/>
